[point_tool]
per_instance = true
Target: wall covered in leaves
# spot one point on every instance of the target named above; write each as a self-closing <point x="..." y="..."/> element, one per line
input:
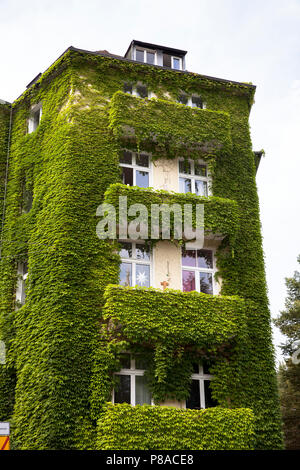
<point x="57" y="342"/>
<point x="160" y="428"/>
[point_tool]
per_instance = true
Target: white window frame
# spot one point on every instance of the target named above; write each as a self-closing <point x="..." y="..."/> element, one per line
<point x="194" y="177"/>
<point x="134" y="262"/>
<point x="201" y="377"/>
<point x="172" y="63"/>
<point x="145" y="55"/>
<point x="190" y="102"/>
<point x="133" y="373"/>
<point x="197" y="272"/>
<point x="32" y="125"/>
<point x="21" y="284"/>
<point x="135" y="167"/>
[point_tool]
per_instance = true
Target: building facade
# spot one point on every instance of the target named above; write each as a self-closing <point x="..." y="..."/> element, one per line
<point x="148" y="320"/>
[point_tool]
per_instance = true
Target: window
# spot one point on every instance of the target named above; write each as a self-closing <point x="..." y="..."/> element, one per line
<point x="145" y="55"/>
<point x="135" y="169"/>
<point x="139" y="90"/>
<point x="200" y="394"/>
<point x="192" y="101"/>
<point x="21" y="285"/>
<point x="198" y="270"/>
<point x="193" y="177"/>
<point x="34" y="118"/>
<point x="176" y="63"/>
<point x="132" y="387"/>
<point x="135" y="268"/>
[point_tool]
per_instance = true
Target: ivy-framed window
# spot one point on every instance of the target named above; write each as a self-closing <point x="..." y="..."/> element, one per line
<point x="22" y="273"/>
<point x="192" y="101"/>
<point x="193" y="177"/>
<point x="136" y="169"/>
<point x="140" y="90"/>
<point x="34" y="117"/>
<point x="135" y="267"/>
<point x="200" y="392"/>
<point x="132" y="386"/>
<point x="198" y="269"/>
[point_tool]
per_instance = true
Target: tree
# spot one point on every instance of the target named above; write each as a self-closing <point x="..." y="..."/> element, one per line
<point x="289" y="372"/>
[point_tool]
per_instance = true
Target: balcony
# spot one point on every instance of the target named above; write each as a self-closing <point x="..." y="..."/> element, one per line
<point x="169" y="129"/>
<point x="191" y="320"/>
<point x="221" y="216"/>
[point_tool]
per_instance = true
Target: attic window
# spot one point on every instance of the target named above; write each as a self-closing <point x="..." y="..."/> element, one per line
<point x="145" y="55"/>
<point x="176" y="63"/>
<point x="35" y="117"/>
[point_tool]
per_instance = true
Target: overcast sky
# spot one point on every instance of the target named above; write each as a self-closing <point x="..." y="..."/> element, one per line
<point x="254" y="41"/>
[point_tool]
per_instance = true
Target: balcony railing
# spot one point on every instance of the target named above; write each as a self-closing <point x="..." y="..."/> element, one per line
<point x="189" y="319"/>
<point x="221" y="216"/>
<point x="169" y="129"/>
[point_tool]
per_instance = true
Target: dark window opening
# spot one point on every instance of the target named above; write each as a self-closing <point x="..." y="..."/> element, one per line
<point x="167" y="60"/>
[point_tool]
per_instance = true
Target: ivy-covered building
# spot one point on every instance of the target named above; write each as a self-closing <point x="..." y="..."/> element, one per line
<point x="135" y="323"/>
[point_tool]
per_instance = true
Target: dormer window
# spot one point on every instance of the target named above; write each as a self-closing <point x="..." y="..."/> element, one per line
<point x="144" y="55"/>
<point x="34" y="118"/>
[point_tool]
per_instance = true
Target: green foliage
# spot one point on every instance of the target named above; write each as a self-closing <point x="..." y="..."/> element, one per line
<point x="171" y="329"/>
<point x="289" y="319"/>
<point x="123" y="427"/>
<point x="221" y="216"/>
<point x="57" y="343"/>
<point x="169" y="129"/>
<point x="289" y="373"/>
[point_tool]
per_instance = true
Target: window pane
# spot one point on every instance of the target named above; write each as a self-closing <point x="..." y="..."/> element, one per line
<point x="142" y="252"/>
<point x="195" y="368"/>
<point x="176" y="63"/>
<point x="142" y="179"/>
<point x="206" y="283"/>
<point x="142" y="91"/>
<point x="139" y="55"/>
<point x="127" y="176"/>
<point x="201" y="188"/>
<point x="183" y="99"/>
<point x="140" y="363"/>
<point x="143" y="275"/>
<point x="127" y="88"/>
<point x="184" y="167"/>
<point x="209" y="401"/>
<point x="125" y="274"/>
<point x="150" y="57"/>
<point x="188" y="281"/>
<point x="200" y="169"/>
<point x="205" y="259"/>
<point x="125" y="361"/>
<point x="188" y="257"/>
<point x="126" y="250"/>
<point x="193" y="402"/>
<point x="122" y="392"/>
<point x="185" y="185"/>
<point x="126" y="157"/>
<point x="142" y="393"/>
<point x="206" y="366"/>
<point x="196" y="102"/>
<point x="142" y="160"/>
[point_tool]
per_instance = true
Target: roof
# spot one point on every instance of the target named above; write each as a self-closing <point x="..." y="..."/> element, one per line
<point x="149" y="45"/>
<point x="104" y="53"/>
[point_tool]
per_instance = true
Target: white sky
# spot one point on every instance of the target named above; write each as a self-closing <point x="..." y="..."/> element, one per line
<point x="254" y="41"/>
